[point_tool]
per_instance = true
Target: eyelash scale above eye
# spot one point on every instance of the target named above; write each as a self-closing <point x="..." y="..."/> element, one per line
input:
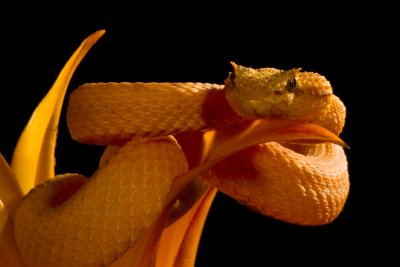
<point x="232" y="76"/>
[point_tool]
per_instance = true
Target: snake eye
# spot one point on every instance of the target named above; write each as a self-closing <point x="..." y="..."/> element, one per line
<point x="291" y="84"/>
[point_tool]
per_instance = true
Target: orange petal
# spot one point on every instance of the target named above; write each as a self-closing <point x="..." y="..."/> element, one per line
<point x="227" y="141"/>
<point x="179" y="241"/>
<point x="33" y="159"/>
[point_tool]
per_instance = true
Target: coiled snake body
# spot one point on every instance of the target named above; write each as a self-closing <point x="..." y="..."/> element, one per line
<point x="74" y="221"/>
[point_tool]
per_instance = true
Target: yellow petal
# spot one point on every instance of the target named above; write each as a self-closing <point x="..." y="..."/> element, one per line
<point x="9" y="255"/>
<point x="10" y="192"/>
<point x="179" y="241"/>
<point x="33" y="159"/>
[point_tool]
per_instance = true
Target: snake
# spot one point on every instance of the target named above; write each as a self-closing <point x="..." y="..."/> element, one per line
<point x="148" y="130"/>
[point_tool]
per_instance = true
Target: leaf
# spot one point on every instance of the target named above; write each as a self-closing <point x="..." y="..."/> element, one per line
<point x="33" y="159"/>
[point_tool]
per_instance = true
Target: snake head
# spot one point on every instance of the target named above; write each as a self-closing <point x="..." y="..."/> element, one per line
<point x="272" y="93"/>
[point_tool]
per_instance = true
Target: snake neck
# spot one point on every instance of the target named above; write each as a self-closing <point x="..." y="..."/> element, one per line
<point x="217" y="112"/>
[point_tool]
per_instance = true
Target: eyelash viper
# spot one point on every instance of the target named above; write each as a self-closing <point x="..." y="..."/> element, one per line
<point x="148" y="129"/>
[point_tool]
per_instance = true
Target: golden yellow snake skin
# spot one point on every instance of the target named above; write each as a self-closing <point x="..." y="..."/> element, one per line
<point x="74" y="221"/>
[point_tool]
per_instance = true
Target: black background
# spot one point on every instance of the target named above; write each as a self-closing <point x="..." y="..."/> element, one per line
<point x="196" y="44"/>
